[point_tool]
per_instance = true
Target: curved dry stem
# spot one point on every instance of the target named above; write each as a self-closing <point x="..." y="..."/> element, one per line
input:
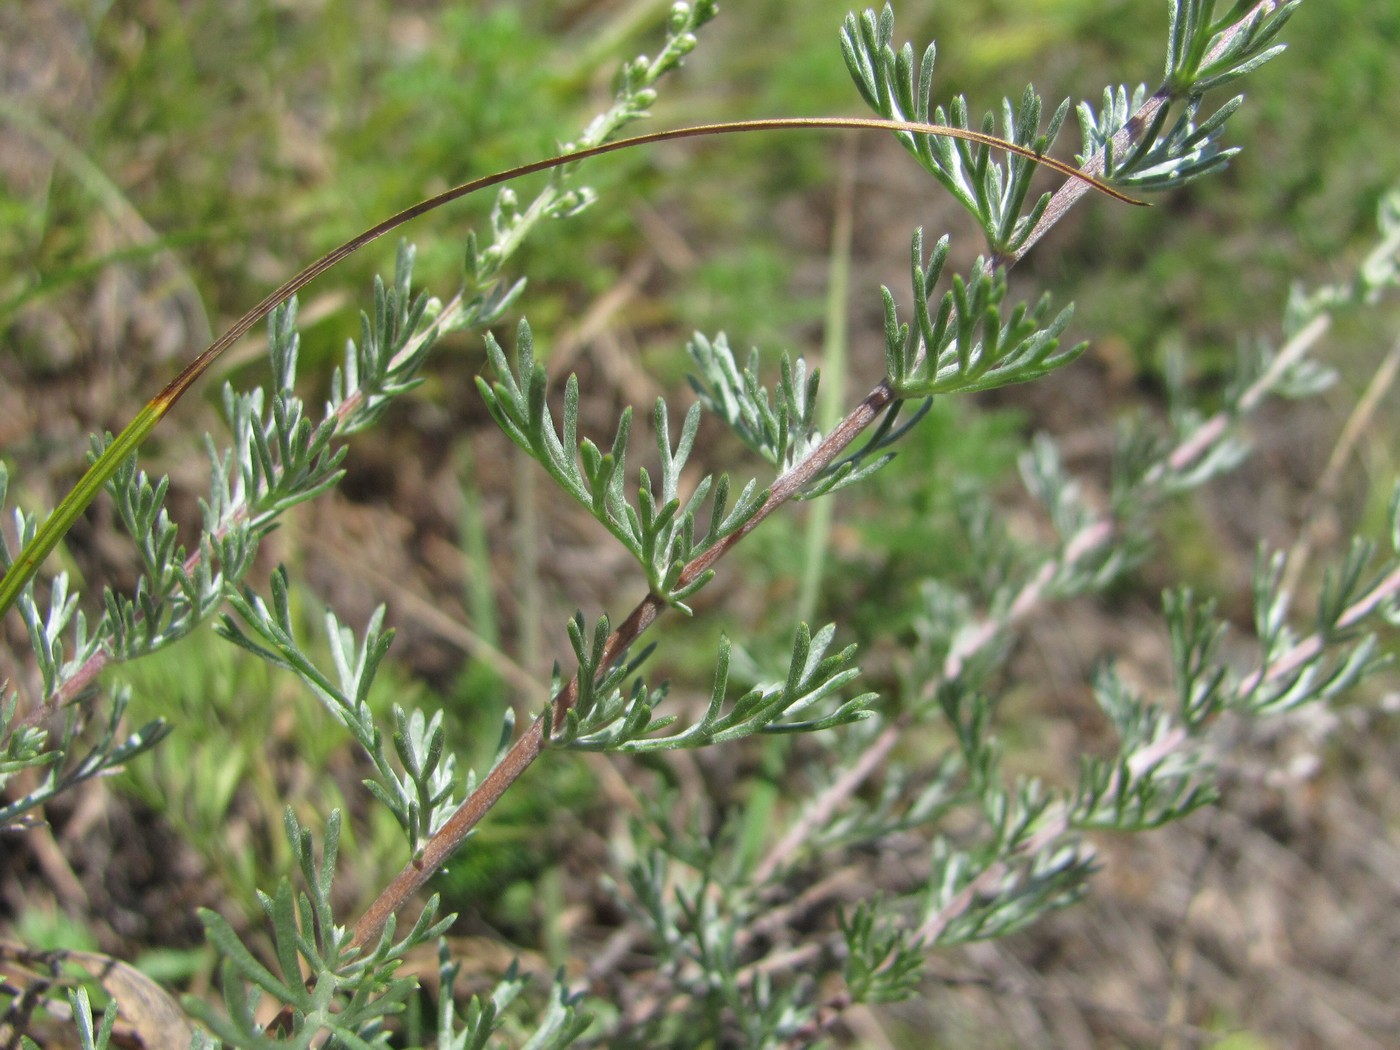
<point x="26" y="564"/>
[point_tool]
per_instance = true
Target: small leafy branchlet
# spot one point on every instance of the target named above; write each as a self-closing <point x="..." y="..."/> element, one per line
<point x="656" y="529"/>
<point x="782" y="431"/>
<point x="1205" y="52"/>
<point x="1158" y="160"/>
<point x="604" y="720"/>
<point x="74" y="760"/>
<point x="349" y="992"/>
<point x="781" y="428"/>
<point x="965" y="346"/>
<point x="884" y="962"/>
<point x="422" y="795"/>
<point x="995" y="195"/>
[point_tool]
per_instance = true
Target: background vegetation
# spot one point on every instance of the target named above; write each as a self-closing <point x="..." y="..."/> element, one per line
<point x="162" y="164"/>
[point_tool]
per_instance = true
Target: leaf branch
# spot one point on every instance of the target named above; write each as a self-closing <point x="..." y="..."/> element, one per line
<point x="533" y="742"/>
<point x="1134" y="130"/>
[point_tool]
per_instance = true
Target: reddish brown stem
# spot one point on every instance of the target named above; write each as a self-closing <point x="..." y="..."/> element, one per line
<point x="529" y="747"/>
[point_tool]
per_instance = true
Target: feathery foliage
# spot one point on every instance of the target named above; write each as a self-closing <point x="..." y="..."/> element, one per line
<point x="728" y="960"/>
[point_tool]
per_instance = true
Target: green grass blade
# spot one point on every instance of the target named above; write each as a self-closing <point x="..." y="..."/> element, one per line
<point x="26" y="564"/>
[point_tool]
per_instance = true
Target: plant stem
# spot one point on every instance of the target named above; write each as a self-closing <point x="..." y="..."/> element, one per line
<point x="532" y="744"/>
